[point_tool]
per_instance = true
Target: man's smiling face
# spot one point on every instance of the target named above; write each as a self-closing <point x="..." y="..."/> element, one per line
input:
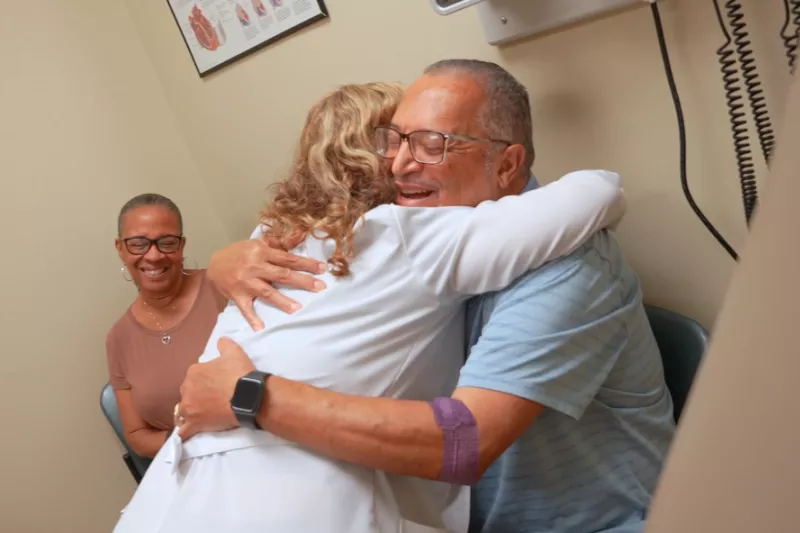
<point x="448" y="104"/>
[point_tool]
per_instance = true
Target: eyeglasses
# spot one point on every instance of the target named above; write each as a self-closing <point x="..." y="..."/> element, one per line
<point x="426" y="147"/>
<point x="140" y="245"/>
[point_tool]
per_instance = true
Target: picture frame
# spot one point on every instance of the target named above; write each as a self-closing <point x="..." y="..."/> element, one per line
<point x="219" y="32"/>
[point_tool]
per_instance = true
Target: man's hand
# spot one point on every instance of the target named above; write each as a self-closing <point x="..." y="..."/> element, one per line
<point x="247" y="270"/>
<point x="207" y="390"/>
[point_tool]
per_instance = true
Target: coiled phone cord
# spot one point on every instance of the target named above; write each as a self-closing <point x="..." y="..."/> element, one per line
<point x="755" y="94"/>
<point x="790" y="35"/>
<point x="736" y="115"/>
<point x="682" y="133"/>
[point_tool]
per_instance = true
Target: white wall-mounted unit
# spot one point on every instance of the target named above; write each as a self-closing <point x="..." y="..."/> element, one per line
<point x="508" y="20"/>
<point x="447" y="7"/>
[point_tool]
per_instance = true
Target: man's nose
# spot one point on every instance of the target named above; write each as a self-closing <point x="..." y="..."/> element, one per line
<point x="404" y="163"/>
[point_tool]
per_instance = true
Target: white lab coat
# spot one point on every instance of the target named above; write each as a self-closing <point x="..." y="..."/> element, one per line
<point x="393" y="328"/>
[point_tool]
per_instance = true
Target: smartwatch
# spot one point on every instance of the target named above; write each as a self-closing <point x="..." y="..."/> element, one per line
<point x="247" y="397"/>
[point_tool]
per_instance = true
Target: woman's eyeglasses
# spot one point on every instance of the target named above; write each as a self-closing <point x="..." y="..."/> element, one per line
<point x="166" y="244"/>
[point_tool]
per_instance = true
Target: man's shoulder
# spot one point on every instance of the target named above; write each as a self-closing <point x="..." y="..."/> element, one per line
<point x="594" y="277"/>
<point x="554" y="336"/>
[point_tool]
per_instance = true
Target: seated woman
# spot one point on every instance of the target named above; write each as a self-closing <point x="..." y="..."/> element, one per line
<point x="390" y="323"/>
<point x="167" y="325"/>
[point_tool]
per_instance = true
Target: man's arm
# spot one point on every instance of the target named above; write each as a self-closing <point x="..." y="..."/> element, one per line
<point x="396" y="436"/>
<point x="540" y="347"/>
<point x="564" y="213"/>
<point x="545" y="344"/>
<point x="537" y="349"/>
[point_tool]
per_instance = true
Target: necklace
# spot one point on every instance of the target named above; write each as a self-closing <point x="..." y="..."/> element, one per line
<point x="165" y="338"/>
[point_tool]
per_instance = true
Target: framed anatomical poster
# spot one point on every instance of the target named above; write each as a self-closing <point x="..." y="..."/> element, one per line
<point x="218" y="32"/>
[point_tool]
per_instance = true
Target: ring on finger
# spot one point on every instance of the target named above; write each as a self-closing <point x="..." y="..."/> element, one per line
<point x="178" y="419"/>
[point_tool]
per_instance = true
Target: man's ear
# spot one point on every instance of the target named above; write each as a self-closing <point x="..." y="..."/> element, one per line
<point x="512" y="162"/>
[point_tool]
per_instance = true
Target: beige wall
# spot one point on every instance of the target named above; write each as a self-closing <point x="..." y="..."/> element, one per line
<point x="733" y="466"/>
<point x="599" y="97"/>
<point x="84" y="125"/>
<point x="98" y="103"/>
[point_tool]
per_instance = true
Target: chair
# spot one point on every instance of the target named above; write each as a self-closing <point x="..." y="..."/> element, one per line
<point x="136" y="464"/>
<point x="682" y="343"/>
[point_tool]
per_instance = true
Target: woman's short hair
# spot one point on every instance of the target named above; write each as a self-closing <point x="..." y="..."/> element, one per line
<point x="336" y="176"/>
<point x="148" y="199"/>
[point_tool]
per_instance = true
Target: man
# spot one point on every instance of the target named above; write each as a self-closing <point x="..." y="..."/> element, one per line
<point x="563" y="386"/>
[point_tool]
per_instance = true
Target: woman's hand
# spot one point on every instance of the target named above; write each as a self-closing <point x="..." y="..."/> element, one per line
<point x="247" y="270"/>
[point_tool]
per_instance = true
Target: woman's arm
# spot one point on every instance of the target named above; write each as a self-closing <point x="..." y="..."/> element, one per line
<point x="144" y="439"/>
<point x="475" y="250"/>
<point x="246" y="270"/>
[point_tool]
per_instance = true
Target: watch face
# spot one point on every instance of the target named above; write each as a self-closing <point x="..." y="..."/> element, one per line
<point x="246" y="395"/>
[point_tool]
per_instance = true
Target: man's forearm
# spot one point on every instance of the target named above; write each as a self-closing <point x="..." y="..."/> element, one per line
<point x="396" y="436"/>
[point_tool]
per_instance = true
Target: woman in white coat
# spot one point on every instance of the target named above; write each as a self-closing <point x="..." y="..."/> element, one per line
<point x="390" y="323"/>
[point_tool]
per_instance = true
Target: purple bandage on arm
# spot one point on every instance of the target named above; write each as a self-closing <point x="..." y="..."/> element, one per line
<point x="460" y="447"/>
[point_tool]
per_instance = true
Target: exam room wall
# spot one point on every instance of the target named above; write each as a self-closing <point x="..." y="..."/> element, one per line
<point x="84" y="126"/>
<point x="599" y="99"/>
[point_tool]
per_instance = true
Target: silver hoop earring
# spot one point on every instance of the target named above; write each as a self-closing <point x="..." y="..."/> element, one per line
<point x="125" y="274"/>
<point x="183" y="270"/>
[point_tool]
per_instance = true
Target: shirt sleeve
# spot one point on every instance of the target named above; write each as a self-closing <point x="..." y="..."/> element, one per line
<point x="116" y="370"/>
<point x="554" y="336"/>
<point x="465" y="251"/>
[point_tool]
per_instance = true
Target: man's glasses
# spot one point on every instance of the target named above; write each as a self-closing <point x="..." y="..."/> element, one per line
<point x="426" y="147"/>
<point x="166" y="244"/>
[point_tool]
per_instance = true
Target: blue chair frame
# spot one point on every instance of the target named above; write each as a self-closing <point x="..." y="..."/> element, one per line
<point x="137" y="465"/>
<point x="682" y="342"/>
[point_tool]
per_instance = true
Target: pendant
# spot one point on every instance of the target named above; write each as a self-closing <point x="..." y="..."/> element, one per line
<point x="165" y="339"/>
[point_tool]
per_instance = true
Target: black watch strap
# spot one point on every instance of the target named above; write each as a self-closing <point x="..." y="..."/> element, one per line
<point x="247" y="397"/>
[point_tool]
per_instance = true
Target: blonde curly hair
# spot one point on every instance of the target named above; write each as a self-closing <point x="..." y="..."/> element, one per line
<point x="335" y="177"/>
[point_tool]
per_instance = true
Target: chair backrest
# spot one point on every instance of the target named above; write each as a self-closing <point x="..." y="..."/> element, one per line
<point x="108" y="404"/>
<point x="682" y="342"/>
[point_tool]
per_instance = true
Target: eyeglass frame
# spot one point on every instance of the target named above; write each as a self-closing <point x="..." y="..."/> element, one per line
<point x="404" y="138"/>
<point x="152" y="242"/>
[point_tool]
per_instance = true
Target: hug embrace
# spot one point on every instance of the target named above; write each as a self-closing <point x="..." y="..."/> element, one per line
<point x="479" y="358"/>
